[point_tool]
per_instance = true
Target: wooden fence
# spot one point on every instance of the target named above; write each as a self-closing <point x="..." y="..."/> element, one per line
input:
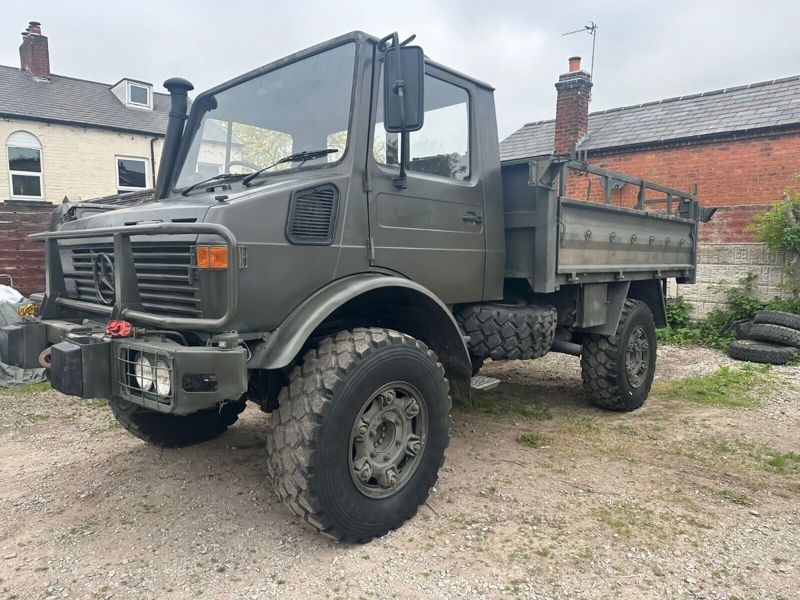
<point x="20" y="258"/>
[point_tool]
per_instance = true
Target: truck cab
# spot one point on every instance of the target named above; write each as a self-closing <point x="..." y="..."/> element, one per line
<point x="334" y="240"/>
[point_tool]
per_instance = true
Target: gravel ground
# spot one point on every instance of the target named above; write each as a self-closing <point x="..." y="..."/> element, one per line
<point x="676" y="500"/>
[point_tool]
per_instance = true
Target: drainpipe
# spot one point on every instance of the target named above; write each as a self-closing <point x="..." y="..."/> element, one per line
<point x="178" y="90"/>
<point x="153" y="160"/>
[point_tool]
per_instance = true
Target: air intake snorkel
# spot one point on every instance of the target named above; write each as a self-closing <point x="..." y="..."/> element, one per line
<point x="178" y="90"/>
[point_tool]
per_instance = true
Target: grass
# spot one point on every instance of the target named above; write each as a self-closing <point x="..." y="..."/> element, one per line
<point x="35" y="417"/>
<point x="513" y="402"/>
<point x="22" y="390"/>
<point x="727" y="387"/>
<point x="785" y="462"/>
<point x="727" y="452"/>
<point x="735" y="498"/>
<point x="627" y="519"/>
<point x="532" y="440"/>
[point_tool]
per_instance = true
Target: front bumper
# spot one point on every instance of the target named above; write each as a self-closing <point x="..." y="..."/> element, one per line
<point x="89" y="364"/>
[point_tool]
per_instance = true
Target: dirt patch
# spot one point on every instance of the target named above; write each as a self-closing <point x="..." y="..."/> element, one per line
<point x="544" y="497"/>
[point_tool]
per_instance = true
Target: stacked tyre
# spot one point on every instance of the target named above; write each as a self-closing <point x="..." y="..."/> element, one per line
<point x="773" y="338"/>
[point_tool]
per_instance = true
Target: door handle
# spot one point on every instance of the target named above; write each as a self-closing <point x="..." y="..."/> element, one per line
<point x="471" y="217"/>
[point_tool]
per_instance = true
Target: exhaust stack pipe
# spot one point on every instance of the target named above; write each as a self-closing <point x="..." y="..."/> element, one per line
<point x="179" y="101"/>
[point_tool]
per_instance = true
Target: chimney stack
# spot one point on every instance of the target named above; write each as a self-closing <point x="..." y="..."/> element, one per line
<point x="34" y="54"/>
<point x="572" y="107"/>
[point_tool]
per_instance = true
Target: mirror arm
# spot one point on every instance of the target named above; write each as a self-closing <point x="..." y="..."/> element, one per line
<point x="401" y="181"/>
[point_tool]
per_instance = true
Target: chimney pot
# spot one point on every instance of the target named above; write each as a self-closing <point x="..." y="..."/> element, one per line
<point x="574" y="64"/>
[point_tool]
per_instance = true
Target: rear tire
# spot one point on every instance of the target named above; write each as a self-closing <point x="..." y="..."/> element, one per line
<point x="337" y="444"/>
<point x="173" y="431"/>
<point x="618" y="370"/>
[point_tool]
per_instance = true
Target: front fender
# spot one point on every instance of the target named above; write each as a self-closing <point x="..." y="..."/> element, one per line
<point x="430" y="321"/>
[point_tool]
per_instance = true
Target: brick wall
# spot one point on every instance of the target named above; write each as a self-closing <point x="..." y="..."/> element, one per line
<point x="20" y="258"/>
<point x="748" y="170"/>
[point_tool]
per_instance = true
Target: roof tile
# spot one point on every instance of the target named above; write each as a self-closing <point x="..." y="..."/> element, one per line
<point x="765" y="104"/>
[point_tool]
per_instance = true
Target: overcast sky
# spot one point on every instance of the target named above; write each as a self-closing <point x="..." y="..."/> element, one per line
<point x="645" y="50"/>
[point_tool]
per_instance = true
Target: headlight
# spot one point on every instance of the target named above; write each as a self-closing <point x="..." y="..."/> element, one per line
<point x="163" y="384"/>
<point x="143" y="372"/>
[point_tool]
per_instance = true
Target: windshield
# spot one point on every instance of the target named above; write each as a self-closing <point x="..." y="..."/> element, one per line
<point x="304" y="106"/>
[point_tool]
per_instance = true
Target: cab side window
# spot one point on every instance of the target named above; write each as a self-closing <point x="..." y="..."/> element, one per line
<point x="441" y="147"/>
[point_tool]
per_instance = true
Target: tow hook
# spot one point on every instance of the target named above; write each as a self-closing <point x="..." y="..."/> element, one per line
<point x="44" y="359"/>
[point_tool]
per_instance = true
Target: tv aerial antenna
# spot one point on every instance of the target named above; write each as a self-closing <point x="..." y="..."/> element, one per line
<point x="591" y="29"/>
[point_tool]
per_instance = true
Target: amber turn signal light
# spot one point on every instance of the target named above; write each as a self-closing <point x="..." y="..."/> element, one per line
<point x="211" y="257"/>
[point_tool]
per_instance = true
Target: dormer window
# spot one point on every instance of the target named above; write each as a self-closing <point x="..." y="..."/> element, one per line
<point x="139" y="94"/>
<point x="134" y="94"/>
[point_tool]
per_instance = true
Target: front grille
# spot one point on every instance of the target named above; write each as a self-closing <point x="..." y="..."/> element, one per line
<point x="164" y="272"/>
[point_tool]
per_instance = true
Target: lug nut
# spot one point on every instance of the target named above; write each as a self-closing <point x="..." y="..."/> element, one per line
<point x="365" y="472"/>
<point x="391" y="477"/>
<point x="412" y="408"/>
<point x="363" y="428"/>
<point x="387" y="398"/>
<point x="413" y="446"/>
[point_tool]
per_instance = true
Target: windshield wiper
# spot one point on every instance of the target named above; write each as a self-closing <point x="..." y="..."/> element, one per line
<point x="298" y="156"/>
<point x="221" y="176"/>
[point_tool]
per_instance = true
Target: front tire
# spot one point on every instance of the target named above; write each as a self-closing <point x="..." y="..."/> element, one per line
<point x="618" y="370"/>
<point x="360" y="433"/>
<point x="174" y="431"/>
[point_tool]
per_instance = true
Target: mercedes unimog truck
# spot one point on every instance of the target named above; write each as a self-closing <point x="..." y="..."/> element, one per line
<point x="334" y="239"/>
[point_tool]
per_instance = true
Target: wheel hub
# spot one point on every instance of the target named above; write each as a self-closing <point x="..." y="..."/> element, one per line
<point x="387" y="439"/>
<point x="637" y="357"/>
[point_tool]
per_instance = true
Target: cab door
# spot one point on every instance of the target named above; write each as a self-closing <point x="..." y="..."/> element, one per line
<point x="432" y="230"/>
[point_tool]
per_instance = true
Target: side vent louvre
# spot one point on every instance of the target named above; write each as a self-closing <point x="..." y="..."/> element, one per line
<point x="312" y="215"/>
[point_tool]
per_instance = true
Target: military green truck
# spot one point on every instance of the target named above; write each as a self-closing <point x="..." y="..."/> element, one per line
<point x="334" y="239"/>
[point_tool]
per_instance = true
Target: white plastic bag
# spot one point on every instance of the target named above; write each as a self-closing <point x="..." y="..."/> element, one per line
<point x="9" y="294"/>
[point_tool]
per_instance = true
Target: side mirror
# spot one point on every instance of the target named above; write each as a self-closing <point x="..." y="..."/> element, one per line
<point x="403" y="86"/>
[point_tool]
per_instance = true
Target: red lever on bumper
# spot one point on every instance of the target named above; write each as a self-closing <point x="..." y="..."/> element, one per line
<point x="118" y="329"/>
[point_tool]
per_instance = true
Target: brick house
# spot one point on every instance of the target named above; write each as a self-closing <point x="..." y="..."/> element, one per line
<point x="740" y="146"/>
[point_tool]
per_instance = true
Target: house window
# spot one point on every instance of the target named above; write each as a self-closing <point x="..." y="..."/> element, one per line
<point x="131" y="174"/>
<point x="25" y="165"/>
<point x="139" y="95"/>
<point x="441" y="147"/>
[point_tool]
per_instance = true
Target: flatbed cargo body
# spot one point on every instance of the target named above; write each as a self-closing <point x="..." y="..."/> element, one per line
<point x="553" y="240"/>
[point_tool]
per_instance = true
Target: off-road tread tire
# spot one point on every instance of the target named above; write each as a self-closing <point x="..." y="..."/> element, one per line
<point x="293" y="429"/>
<point x="174" y="431"/>
<point x="599" y="365"/>
<point x="775" y="333"/>
<point x="508" y="332"/>
<point x="776" y="317"/>
<point x="762" y="352"/>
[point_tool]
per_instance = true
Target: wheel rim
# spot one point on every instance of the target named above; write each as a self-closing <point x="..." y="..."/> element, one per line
<point x="388" y="439"/>
<point x="637" y="357"/>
